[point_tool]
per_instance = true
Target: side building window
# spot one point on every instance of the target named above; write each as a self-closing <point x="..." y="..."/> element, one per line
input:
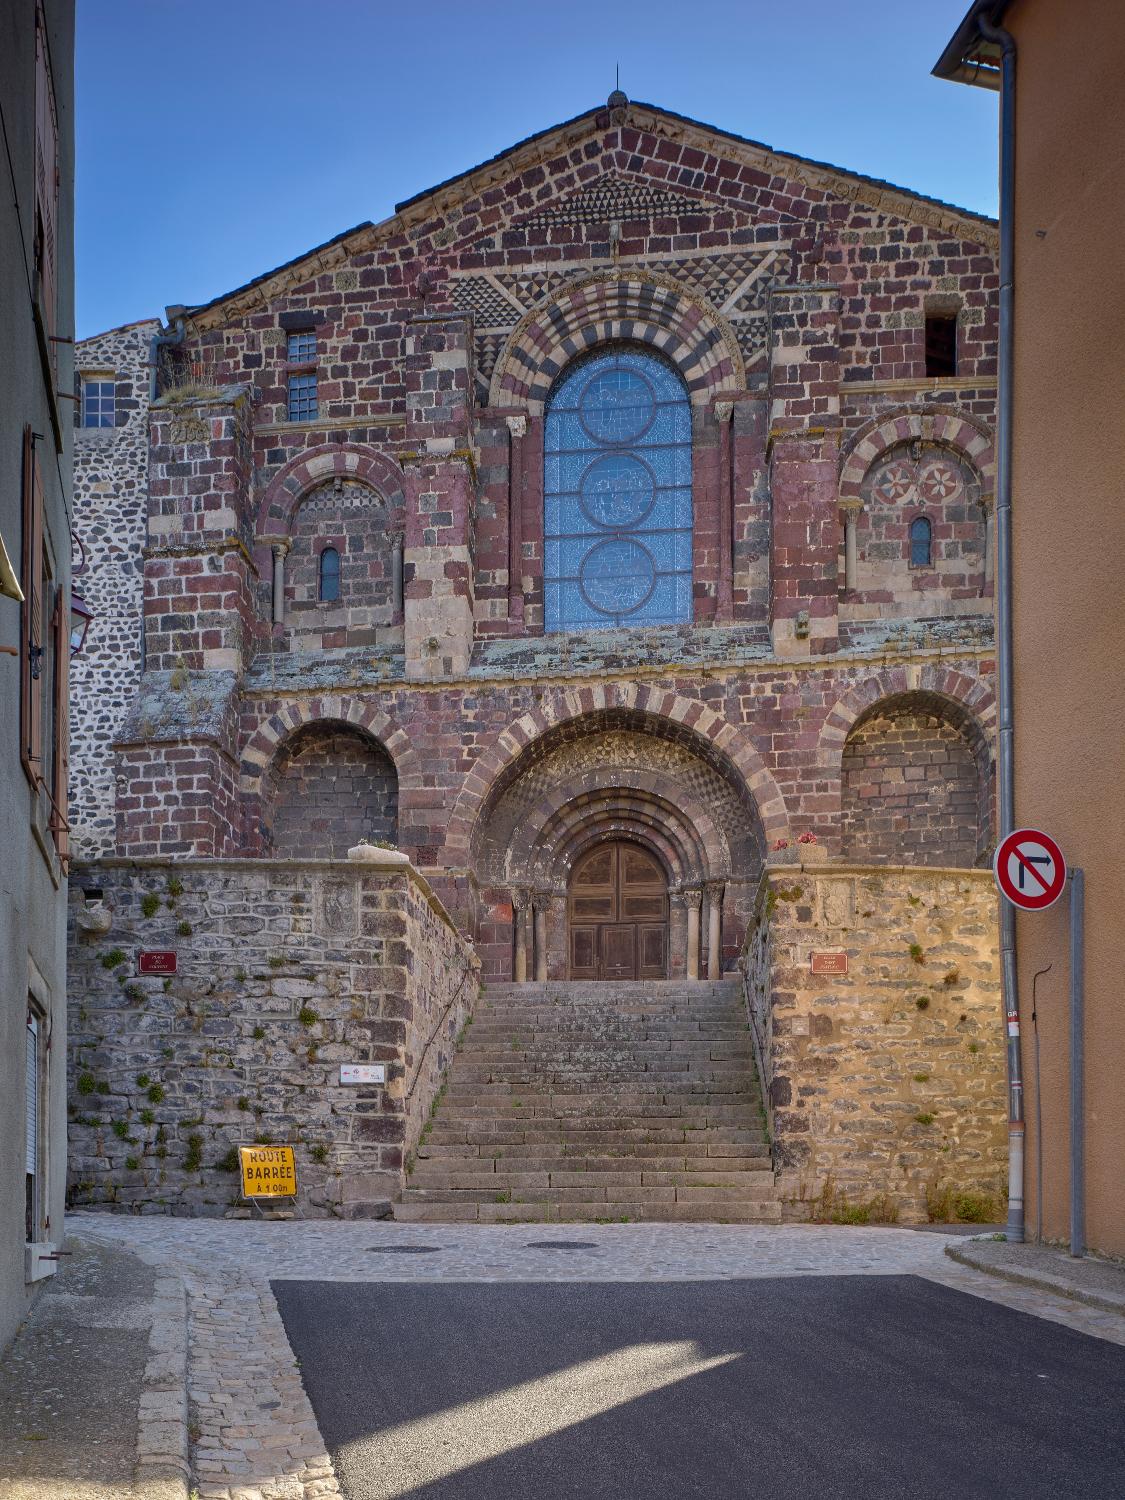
<point x="617" y="501"/>
<point x="921" y="543"/>
<point x="301" y="353"/>
<point x="98" y="409"/>
<point x="44" y="658"/>
<point x="34" y="1110"/>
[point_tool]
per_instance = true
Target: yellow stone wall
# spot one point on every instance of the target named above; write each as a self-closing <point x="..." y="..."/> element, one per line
<point x="884" y="1086"/>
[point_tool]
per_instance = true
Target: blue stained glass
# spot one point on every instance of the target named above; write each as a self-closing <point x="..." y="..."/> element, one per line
<point x="617" y="495"/>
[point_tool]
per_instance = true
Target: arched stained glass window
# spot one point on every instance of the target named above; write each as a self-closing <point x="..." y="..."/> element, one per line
<point x="617" y="515"/>
<point x="329" y="589"/>
<point x="921" y="543"/>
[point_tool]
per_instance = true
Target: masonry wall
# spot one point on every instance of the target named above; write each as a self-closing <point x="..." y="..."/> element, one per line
<point x="885" y="1086"/>
<point x="110" y="527"/>
<point x="285" y="969"/>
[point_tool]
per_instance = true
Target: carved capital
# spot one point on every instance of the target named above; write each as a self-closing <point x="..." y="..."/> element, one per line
<point x="724" y="410"/>
<point x="517" y="426"/>
<point x="280" y="549"/>
<point x="541" y="900"/>
<point x="851" y="505"/>
<point x="693" y="897"/>
<point x="715" y="889"/>
<point x="521" y="898"/>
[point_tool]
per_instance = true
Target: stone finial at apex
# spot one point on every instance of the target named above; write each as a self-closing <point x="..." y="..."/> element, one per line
<point x="617" y="100"/>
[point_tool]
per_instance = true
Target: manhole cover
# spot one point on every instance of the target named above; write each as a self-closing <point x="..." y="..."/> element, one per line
<point x="561" y="1245"/>
<point x="405" y="1249"/>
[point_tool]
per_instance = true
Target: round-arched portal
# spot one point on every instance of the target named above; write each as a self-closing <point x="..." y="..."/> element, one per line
<point x="617" y="913"/>
<point x="627" y="777"/>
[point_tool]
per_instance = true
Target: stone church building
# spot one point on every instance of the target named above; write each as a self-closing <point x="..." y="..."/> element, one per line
<point x="606" y="533"/>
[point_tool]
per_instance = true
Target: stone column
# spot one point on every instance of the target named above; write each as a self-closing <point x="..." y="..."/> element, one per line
<point x="542" y="901"/>
<point x="714" y="928"/>
<point x="851" y="509"/>
<point x="439" y="464"/>
<point x="692" y="900"/>
<point x="724" y="410"/>
<point x="804" y="468"/>
<point x="519" y="912"/>
<point x="279" y="551"/>
<point x="396" y="578"/>
<point x="517" y="432"/>
<point x="989" y="511"/>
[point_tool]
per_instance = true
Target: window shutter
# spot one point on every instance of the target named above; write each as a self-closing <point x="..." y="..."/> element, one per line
<point x="31" y="636"/>
<point x="31" y="1095"/>
<point x="60" y="824"/>
<point x="46" y="175"/>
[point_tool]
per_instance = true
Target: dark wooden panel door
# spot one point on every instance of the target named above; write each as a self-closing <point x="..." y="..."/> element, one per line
<point x="619" y="950"/>
<point x="618" y="915"/>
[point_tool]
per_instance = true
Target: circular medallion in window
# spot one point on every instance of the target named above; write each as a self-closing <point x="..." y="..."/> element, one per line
<point x="896" y="482"/>
<point x="617" y="491"/>
<point x="940" y="481"/>
<point x="617" y="406"/>
<point x="617" y="576"/>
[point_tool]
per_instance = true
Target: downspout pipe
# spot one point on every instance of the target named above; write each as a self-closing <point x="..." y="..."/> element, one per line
<point x="158" y="341"/>
<point x="1008" y="973"/>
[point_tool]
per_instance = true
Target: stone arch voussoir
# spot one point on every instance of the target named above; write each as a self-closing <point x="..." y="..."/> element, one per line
<point x="291" y="484"/>
<point x="723" y="742"/>
<point x="971" y="700"/>
<point x="642" y="307"/>
<point x="966" y="435"/>
<point x="278" y="727"/>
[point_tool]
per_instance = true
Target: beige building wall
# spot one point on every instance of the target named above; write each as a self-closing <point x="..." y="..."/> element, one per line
<point x="1069" y="544"/>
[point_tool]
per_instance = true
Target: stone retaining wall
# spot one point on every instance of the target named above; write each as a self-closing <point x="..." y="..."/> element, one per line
<point x="885" y="1086"/>
<point x="285" y="970"/>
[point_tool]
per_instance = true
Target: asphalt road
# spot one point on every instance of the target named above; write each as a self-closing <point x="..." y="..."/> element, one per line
<point x="802" y="1388"/>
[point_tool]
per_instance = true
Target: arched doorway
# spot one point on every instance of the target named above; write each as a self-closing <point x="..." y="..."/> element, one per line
<point x="617" y="914"/>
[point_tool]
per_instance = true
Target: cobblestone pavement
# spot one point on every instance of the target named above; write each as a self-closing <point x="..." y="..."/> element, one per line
<point x="254" y="1436"/>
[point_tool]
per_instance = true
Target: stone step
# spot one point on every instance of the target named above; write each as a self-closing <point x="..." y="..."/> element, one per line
<point x="684" y="1154"/>
<point x="597" y="1133"/>
<point x="529" y="1183"/>
<point x="763" y="1212"/>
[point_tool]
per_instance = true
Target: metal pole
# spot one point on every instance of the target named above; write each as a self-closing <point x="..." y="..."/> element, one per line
<point x="1077" y="1059"/>
<point x="1038" y="1107"/>
<point x="1006" y="702"/>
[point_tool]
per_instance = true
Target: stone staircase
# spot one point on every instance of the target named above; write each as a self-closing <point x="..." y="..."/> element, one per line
<point x="607" y="1102"/>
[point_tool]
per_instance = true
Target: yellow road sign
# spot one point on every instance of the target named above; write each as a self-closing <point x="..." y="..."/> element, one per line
<point x="268" y="1171"/>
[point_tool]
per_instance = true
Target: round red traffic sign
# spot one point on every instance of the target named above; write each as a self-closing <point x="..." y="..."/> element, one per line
<point x="1030" y="869"/>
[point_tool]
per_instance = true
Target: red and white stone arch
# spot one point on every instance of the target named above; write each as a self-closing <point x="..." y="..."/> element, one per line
<point x="713" y="737"/>
<point x="643" y="307"/>
<point x="954" y="430"/>
<point x="308" y="470"/>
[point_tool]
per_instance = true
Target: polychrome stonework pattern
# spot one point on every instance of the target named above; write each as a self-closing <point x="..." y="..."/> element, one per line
<point x="814" y="683"/>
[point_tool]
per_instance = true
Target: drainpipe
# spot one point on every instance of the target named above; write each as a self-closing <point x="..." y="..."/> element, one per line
<point x="1009" y="978"/>
<point x="167" y="340"/>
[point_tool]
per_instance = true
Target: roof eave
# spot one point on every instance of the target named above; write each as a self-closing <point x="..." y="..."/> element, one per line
<point x="967" y="57"/>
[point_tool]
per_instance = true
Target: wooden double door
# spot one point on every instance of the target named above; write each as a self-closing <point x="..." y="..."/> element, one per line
<point x="617" y="914"/>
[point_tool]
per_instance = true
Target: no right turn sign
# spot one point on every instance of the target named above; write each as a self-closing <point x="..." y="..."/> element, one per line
<point x="1030" y="869"/>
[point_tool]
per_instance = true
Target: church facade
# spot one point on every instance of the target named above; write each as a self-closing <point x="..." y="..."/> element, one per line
<point x="606" y="529"/>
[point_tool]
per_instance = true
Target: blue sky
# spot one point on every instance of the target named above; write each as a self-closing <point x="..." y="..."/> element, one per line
<point x="218" y="138"/>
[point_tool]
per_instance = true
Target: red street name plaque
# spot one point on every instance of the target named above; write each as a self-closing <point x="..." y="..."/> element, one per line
<point x="829" y="963"/>
<point x="153" y="962"/>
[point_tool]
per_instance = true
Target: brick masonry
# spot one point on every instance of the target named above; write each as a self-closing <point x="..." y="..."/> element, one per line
<point x="887" y="1082"/>
<point x="426" y="705"/>
<point x="284" y="971"/>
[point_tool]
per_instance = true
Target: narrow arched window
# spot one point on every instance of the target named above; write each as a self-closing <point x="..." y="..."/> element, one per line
<point x="617" y="506"/>
<point x="329" y="575"/>
<point x="921" y="543"/>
